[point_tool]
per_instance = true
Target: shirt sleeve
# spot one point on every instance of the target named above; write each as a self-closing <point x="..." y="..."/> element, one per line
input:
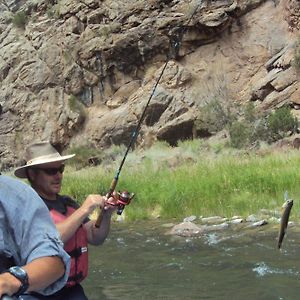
<point x="35" y="233"/>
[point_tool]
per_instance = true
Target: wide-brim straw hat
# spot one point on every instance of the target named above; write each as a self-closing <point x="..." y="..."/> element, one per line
<point x="39" y="154"/>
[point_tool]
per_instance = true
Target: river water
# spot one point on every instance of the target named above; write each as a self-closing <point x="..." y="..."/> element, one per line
<point x="139" y="261"/>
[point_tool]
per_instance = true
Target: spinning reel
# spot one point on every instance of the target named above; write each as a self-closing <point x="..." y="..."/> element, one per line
<point x="122" y="199"/>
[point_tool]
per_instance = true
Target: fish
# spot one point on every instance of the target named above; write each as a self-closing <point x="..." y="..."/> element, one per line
<point x="284" y="220"/>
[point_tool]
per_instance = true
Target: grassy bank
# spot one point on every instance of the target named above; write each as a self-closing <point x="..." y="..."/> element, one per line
<point x="191" y="180"/>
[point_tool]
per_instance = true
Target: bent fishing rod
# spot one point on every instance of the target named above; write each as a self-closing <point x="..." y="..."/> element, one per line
<point x="124" y="198"/>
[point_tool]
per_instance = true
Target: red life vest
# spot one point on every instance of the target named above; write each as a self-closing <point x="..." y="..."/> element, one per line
<point x="76" y="247"/>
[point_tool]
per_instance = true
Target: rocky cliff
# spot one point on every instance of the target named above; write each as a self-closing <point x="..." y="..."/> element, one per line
<point x="80" y="72"/>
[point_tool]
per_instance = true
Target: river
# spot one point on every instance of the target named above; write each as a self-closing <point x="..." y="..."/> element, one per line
<point x="139" y="261"/>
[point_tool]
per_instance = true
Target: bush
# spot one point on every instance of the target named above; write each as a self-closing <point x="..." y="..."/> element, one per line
<point x="260" y="130"/>
<point x="20" y="19"/>
<point x="296" y="61"/>
<point x="280" y="123"/>
<point x="213" y="117"/>
<point x="250" y="112"/>
<point x="53" y="11"/>
<point x="270" y="128"/>
<point x="76" y="106"/>
<point x="83" y="154"/>
<point x="88" y="155"/>
<point x="239" y="134"/>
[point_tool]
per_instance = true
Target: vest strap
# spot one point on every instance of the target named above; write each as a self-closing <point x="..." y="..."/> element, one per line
<point x="75" y="278"/>
<point x="76" y="252"/>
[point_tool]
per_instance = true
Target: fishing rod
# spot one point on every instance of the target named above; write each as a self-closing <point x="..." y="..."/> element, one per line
<point x="124" y="198"/>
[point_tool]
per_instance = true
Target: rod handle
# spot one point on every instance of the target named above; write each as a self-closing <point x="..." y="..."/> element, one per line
<point x="99" y="219"/>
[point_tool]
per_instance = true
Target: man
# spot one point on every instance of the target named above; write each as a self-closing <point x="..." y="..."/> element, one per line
<point x="29" y="244"/>
<point x="44" y="169"/>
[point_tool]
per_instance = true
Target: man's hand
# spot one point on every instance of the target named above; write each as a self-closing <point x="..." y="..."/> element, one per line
<point x="92" y="202"/>
<point x="9" y="284"/>
<point x="110" y="204"/>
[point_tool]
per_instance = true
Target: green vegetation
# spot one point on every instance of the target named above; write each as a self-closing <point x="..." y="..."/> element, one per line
<point x="281" y="122"/>
<point x="240" y="133"/>
<point x="86" y="155"/>
<point x="203" y="183"/>
<point x="105" y="31"/>
<point x="254" y="128"/>
<point x="76" y="106"/>
<point x="213" y="117"/>
<point x="296" y="60"/>
<point x="251" y="128"/>
<point x="52" y="11"/>
<point x="20" y="19"/>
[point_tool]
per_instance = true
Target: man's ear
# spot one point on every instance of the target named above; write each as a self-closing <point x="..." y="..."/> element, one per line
<point x="30" y="174"/>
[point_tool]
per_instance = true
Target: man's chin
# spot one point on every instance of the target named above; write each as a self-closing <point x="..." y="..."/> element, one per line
<point x="56" y="188"/>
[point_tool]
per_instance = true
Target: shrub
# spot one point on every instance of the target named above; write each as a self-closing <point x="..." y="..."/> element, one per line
<point x="239" y="134"/>
<point x="250" y="112"/>
<point x="76" y="106"/>
<point x="83" y="154"/>
<point x="87" y="155"/>
<point x="280" y="123"/>
<point x="213" y="117"/>
<point x="296" y="60"/>
<point x="253" y="127"/>
<point x="20" y="19"/>
<point x="53" y="10"/>
<point x="260" y="130"/>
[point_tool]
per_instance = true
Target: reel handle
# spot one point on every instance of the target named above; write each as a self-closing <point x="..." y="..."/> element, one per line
<point x="122" y="199"/>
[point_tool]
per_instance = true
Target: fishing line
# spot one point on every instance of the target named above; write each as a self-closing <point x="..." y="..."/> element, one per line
<point x="175" y="43"/>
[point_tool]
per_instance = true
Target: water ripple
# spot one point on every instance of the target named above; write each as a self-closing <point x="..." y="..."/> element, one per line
<point x="262" y="269"/>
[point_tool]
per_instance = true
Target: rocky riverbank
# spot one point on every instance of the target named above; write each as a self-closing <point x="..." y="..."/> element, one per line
<point x="194" y="226"/>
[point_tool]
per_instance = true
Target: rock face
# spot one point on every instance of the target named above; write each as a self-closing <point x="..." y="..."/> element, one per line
<point x="80" y="72"/>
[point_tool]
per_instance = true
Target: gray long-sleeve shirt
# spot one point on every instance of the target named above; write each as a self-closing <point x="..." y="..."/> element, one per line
<point x="26" y="229"/>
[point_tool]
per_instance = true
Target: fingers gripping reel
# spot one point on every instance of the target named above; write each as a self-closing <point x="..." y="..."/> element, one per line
<point x="122" y="199"/>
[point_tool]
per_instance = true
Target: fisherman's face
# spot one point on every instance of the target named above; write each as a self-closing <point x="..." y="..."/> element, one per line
<point x="46" y="179"/>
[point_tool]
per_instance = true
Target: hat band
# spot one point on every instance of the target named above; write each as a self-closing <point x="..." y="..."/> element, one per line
<point x="43" y="159"/>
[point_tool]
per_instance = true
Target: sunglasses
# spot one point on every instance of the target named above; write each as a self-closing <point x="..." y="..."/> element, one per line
<point x="52" y="171"/>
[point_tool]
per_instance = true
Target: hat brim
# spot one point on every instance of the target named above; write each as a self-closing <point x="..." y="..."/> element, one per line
<point x="20" y="172"/>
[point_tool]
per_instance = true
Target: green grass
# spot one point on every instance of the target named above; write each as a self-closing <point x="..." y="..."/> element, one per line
<point x="227" y="184"/>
